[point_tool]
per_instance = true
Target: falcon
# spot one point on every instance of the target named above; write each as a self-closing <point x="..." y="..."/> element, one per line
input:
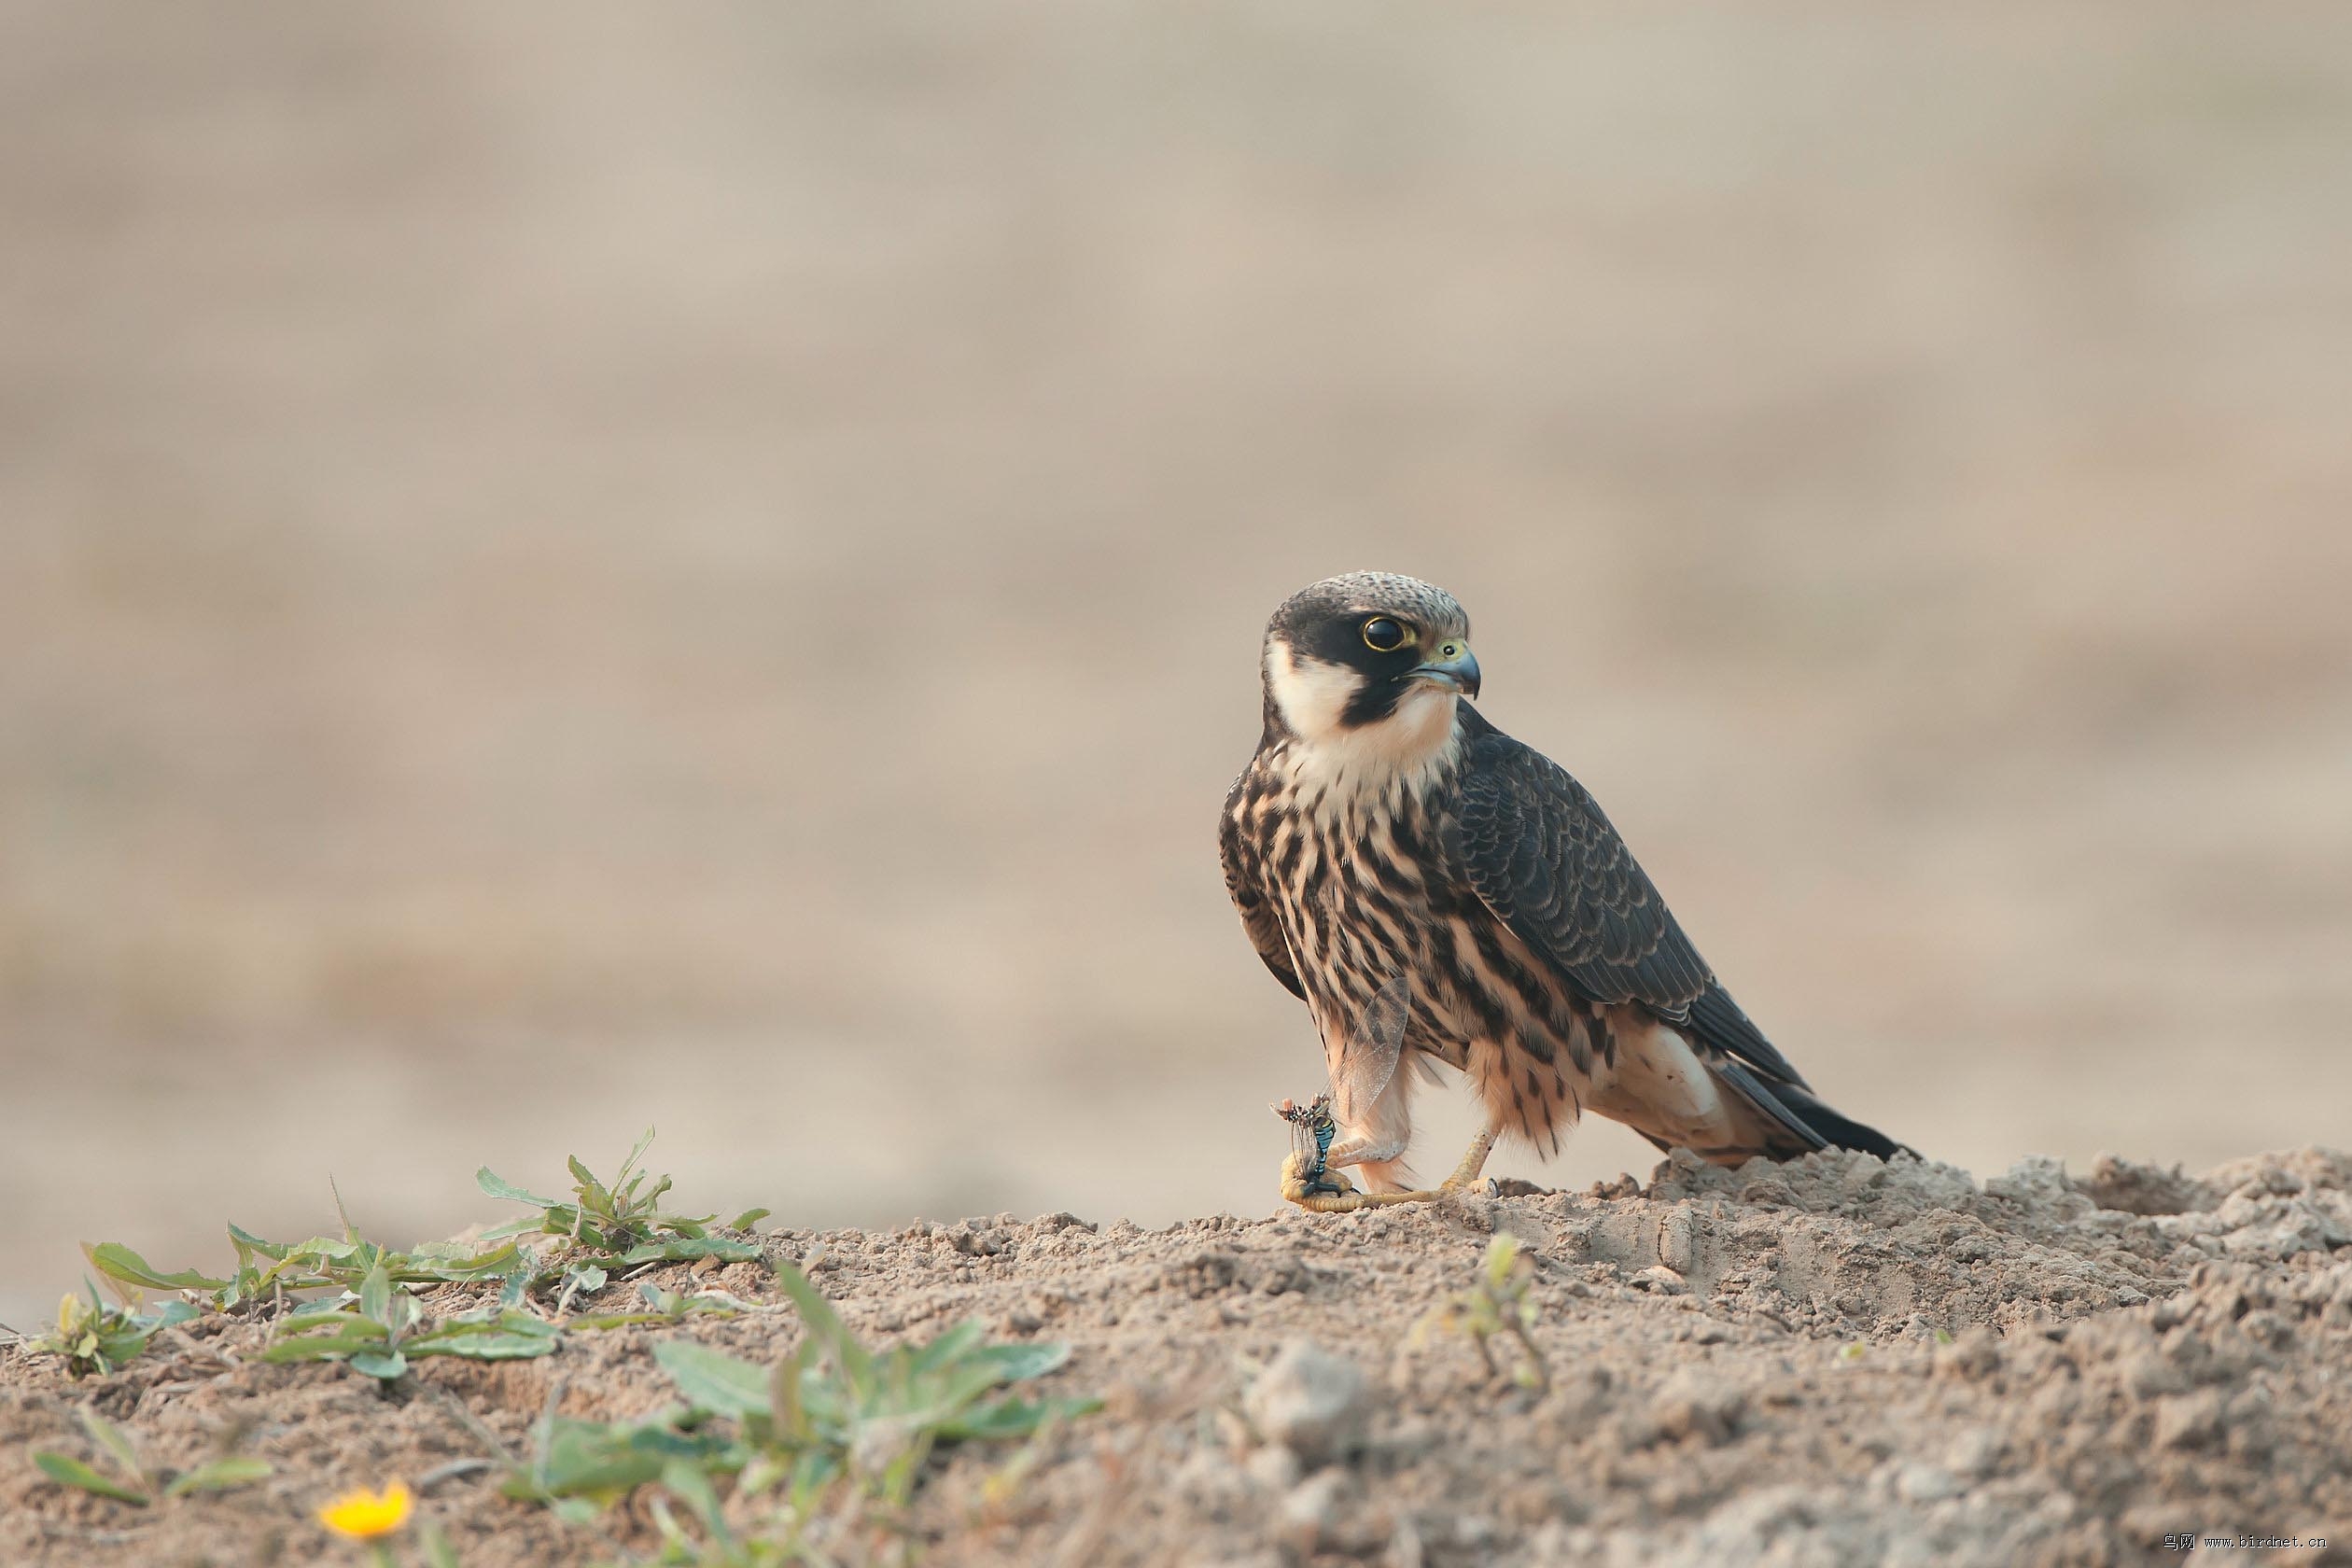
<point x="1438" y="893"/>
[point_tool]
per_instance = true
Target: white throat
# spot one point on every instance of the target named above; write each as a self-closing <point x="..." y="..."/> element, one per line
<point x="1414" y="745"/>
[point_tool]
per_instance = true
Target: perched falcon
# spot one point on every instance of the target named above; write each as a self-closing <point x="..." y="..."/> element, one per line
<point x="1435" y="891"/>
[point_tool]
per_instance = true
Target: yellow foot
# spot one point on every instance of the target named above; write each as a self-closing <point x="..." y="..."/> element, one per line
<point x="1311" y="1187"/>
<point x="1321" y="1190"/>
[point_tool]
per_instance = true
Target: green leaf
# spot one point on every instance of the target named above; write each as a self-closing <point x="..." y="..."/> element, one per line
<point x="764" y="1471"/>
<point x="811" y="1474"/>
<point x="683" y="1249"/>
<point x="385" y="1364"/>
<point x="445" y="1261"/>
<point x="785" y="1393"/>
<point x="247" y="1286"/>
<point x="712" y="1381"/>
<point x="526" y="1226"/>
<point x="591" y="1190"/>
<point x="358" y="1340"/>
<point x="619" y="1320"/>
<point x="110" y="1438"/>
<point x="118" y="1262"/>
<point x="589" y="1279"/>
<point x="120" y="1345"/>
<point x="956" y="1342"/>
<point x="748" y="1218"/>
<point x="497" y="1186"/>
<point x="826" y="1326"/>
<point x="598" y="1458"/>
<point x="723" y="1302"/>
<point x="439" y="1553"/>
<point x="508" y="1337"/>
<point x="68" y="1471"/>
<point x="693" y="1487"/>
<point x="1014" y="1363"/>
<point x="320" y="1317"/>
<point x="645" y="1141"/>
<point x="486" y="1345"/>
<point x="1015" y="1418"/>
<point x="514" y="1287"/>
<point x="221" y="1475"/>
<point x="375" y="1295"/>
<point x="250" y="1246"/>
<point x="947" y="1396"/>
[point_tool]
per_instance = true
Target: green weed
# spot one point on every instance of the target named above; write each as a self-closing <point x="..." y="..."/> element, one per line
<point x="832" y="1430"/>
<point x="375" y="1323"/>
<point x="131" y="1481"/>
<point x="267" y="1268"/>
<point x="619" y="1224"/>
<point x="618" y="1219"/>
<point x="94" y="1336"/>
<point x="377" y="1331"/>
<point x="1497" y="1303"/>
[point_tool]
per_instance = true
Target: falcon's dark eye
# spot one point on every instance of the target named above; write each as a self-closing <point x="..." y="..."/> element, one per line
<point x="1384" y="636"/>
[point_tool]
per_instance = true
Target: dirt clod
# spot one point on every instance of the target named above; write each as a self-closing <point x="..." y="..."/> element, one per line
<point x="1310" y="1401"/>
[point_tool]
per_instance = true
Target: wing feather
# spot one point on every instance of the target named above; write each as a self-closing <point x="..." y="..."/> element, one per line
<point x="1245" y="885"/>
<point x="1543" y="857"/>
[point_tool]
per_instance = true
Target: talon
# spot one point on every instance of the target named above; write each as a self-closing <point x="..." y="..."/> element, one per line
<point x="1307" y="1180"/>
<point x="1313" y="1186"/>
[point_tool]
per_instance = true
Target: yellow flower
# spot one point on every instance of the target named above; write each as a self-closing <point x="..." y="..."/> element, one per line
<point x="364" y="1515"/>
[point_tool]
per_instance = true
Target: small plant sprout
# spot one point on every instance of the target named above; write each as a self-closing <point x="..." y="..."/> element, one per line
<point x="94" y="1336"/>
<point x="616" y="1226"/>
<point x="131" y="1482"/>
<point x="1497" y="1303"/>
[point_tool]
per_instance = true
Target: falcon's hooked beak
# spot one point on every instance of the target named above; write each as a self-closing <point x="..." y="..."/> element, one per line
<point x="1452" y="667"/>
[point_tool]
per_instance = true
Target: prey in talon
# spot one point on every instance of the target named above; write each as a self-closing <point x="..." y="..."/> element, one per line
<point x="1306" y="1174"/>
<point x="1439" y="894"/>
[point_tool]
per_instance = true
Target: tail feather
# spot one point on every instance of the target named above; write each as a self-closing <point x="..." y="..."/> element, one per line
<point x="1795" y="1119"/>
<point x="1801" y="1120"/>
<point x="1837" y="1130"/>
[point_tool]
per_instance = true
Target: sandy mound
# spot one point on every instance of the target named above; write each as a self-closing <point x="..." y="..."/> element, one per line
<point x="1834" y="1360"/>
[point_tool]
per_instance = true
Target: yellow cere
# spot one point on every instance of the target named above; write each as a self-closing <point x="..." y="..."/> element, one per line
<point x="364" y="1515"/>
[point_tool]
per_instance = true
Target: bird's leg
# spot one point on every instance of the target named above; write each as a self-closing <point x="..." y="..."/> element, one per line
<point x="1309" y="1181"/>
<point x="1472" y="1162"/>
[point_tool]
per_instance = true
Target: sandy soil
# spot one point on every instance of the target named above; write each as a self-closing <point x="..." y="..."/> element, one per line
<point x="1834" y="1360"/>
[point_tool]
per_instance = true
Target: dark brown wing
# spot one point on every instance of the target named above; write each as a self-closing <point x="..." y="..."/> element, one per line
<point x="1545" y="858"/>
<point x="1245" y="885"/>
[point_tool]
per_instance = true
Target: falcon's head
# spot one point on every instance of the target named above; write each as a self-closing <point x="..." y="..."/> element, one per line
<point x="1370" y="662"/>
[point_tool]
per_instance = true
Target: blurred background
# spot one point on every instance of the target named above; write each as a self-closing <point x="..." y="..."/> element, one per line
<point x="565" y="568"/>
